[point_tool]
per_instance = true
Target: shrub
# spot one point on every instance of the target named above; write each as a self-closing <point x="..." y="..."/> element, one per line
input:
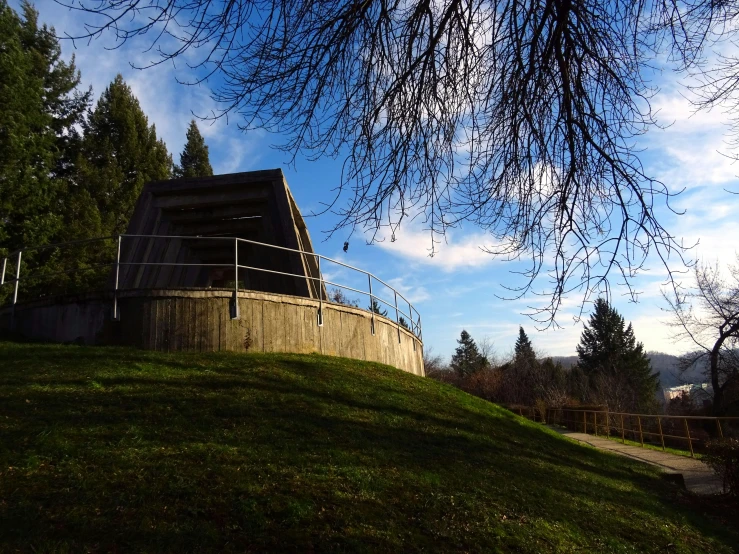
<point x="541" y="408"/>
<point x="337" y="296"/>
<point x="723" y="457"/>
<point x="484" y="383"/>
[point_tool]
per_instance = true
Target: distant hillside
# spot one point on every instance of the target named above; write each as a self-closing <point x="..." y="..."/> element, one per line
<point x="667" y="365"/>
<point x="669" y="370"/>
<point x="566" y="361"/>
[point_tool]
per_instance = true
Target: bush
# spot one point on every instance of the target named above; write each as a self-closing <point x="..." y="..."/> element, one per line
<point x="723" y="457"/>
<point x="484" y="383"/>
<point x="541" y="408"/>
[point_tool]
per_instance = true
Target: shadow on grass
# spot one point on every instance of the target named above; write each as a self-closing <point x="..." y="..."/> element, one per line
<point x="302" y="453"/>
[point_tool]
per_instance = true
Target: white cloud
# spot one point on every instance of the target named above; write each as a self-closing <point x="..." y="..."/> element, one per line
<point x="413" y="292"/>
<point x="456" y="251"/>
<point x="168" y="105"/>
<point x="692" y="150"/>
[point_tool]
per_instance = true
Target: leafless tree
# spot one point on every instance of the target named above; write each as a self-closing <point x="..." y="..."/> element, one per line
<point x="707" y="315"/>
<point x="520" y="116"/>
<point x="338" y="296"/>
<point x="433" y="363"/>
<point x="699" y="33"/>
<point x="486" y="346"/>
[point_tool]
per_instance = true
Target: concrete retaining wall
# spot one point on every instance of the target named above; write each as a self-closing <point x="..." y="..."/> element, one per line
<point x="199" y="320"/>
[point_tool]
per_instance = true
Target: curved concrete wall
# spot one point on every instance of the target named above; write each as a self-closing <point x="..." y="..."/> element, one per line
<point x="199" y="320"/>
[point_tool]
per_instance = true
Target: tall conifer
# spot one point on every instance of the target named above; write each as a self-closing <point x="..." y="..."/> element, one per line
<point x="39" y="109"/>
<point x="523" y="349"/>
<point x="120" y="153"/>
<point x="618" y="369"/>
<point x="194" y="160"/>
<point x="467" y="358"/>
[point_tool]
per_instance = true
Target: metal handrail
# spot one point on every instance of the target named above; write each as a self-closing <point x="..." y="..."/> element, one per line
<point x="608" y="417"/>
<point x="413" y="323"/>
<point x="663" y="416"/>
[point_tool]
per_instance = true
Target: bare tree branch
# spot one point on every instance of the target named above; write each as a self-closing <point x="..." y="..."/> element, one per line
<point x="520" y="116"/>
<point x="708" y="316"/>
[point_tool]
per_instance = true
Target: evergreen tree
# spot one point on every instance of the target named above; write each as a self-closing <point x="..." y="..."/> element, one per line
<point x="467" y="358"/>
<point x="194" y="160"/>
<point x="524" y="352"/>
<point x="39" y="109"/>
<point x="522" y="377"/>
<point x="618" y="370"/>
<point x="375" y="307"/>
<point x="120" y="153"/>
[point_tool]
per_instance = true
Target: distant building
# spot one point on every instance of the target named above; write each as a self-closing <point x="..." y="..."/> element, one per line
<point x="700" y="394"/>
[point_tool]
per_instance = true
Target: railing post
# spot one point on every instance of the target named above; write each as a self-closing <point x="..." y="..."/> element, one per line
<point x="623" y="437"/>
<point x="397" y="319"/>
<point x="641" y="435"/>
<point x="372" y="304"/>
<point x="661" y="436"/>
<point x="15" y="290"/>
<point x="410" y="323"/>
<point x="2" y="276"/>
<point x="235" y="307"/>
<point x="320" y="292"/>
<point x="687" y="434"/>
<point x="608" y="425"/>
<point x="116" y="316"/>
<point x="720" y="432"/>
<point x="584" y="422"/>
<point x="595" y="423"/>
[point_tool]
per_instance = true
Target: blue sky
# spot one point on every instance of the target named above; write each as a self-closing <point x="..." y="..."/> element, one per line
<point x="459" y="288"/>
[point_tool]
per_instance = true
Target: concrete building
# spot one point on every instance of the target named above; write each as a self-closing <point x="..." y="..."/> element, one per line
<point x="257" y="206"/>
<point x="181" y="281"/>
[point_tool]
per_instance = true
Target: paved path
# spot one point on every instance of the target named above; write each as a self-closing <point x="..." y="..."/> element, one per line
<point x="699" y="478"/>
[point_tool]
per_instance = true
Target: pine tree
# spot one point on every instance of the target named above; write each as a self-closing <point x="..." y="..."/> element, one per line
<point x="618" y="370"/>
<point x="467" y="358"/>
<point x="39" y="109"/>
<point x="523" y="349"/>
<point x="376" y="308"/>
<point x="120" y="153"/>
<point x="194" y="160"/>
<point x="522" y="375"/>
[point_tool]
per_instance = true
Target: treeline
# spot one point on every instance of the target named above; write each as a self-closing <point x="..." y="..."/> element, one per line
<point x="612" y="370"/>
<point x="70" y="170"/>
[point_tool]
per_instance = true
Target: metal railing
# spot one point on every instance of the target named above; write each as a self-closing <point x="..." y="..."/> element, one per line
<point x="688" y="433"/>
<point x="12" y="264"/>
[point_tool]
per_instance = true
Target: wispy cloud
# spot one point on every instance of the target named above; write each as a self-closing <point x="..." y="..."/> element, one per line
<point x="456" y="251"/>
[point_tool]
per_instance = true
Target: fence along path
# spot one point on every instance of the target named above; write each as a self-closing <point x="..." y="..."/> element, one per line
<point x="698" y="477"/>
<point x="599" y="427"/>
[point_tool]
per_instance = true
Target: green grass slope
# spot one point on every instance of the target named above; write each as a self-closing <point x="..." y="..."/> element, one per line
<point x="116" y="450"/>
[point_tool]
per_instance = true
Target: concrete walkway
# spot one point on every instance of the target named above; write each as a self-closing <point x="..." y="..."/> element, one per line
<point x="698" y="477"/>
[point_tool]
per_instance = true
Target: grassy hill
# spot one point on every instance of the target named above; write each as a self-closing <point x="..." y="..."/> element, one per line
<point x="105" y="449"/>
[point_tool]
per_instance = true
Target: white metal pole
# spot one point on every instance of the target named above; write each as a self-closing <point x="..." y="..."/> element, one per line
<point x="17" y="277"/>
<point x="235" y="312"/>
<point x="397" y="319"/>
<point x="372" y="305"/>
<point x="2" y="276"/>
<point x="320" y="293"/>
<point x="116" y="317"/>
<point x="15" y="291"/>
